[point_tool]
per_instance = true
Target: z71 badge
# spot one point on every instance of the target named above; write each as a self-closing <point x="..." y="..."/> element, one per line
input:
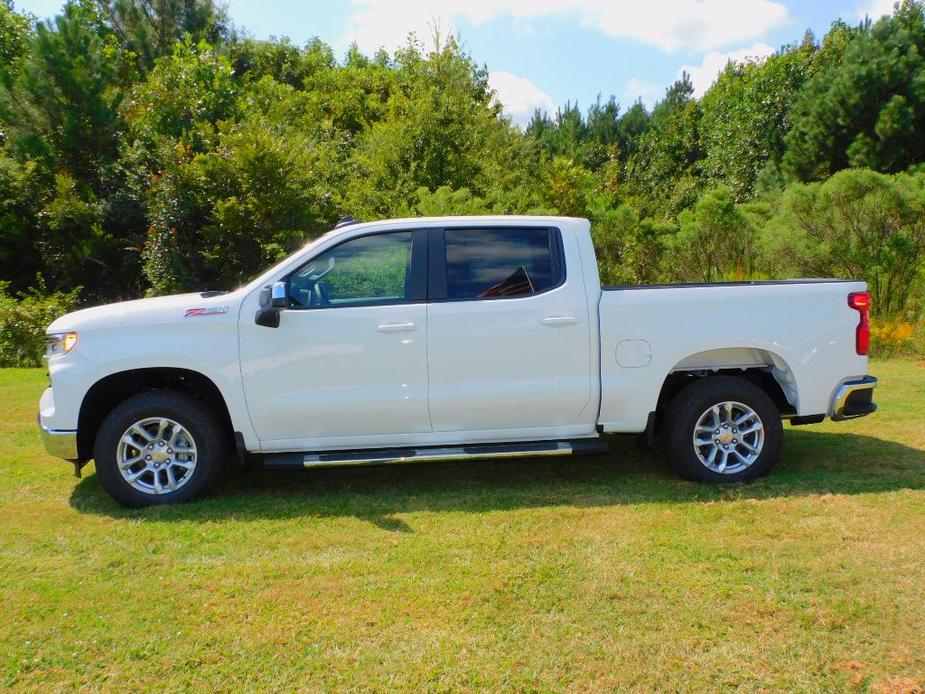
<point x="210" y="311"/>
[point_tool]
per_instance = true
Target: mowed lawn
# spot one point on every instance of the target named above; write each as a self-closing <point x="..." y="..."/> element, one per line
<point x="582" y="574"/>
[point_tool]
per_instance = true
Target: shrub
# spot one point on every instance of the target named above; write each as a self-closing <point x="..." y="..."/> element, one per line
<point x="717" y="240"/>
<point x="24" y="318"/>
<point x="893" y="338"/>
<point x="858" y="224"/>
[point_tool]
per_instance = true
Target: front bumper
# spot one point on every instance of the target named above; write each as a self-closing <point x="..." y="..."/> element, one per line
<point x="59" y="443"/>
<point x="854" y="398"/>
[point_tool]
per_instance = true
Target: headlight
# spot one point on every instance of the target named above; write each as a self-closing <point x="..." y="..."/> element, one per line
<point x="59" y="343"/>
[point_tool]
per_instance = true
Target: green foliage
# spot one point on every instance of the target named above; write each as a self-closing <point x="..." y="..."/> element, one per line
<point x="745" y="118"/>
<point x="716" y="241"/>
<point x="629" y="250"/>
<point x="287" y="64"/>
<point x="19" y="255"/>
<point x="15" y="30"/>
<point x="593" y="140"/>
<point x="61" y="115"/>
<point x="23" y="319"/>
<point x="149" y="28"/>
<point x="868" y="108"/>
<point x="145" y="146"/>
<point x="662" y="175"/>
<point x="74" y="244"/>
<point x="63" y="105"/>
<point x="187" y="93"/>
<point x="857" y="224"/>
<point x="439" y="128"/>
<point x="444" y="201"/>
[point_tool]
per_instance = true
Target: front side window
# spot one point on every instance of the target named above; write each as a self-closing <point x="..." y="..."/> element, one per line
<point x="364" y="270"/>
<point x="492" y="263"/>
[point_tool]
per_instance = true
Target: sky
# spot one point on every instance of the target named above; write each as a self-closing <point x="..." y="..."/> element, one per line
<point x="544" y="53"/>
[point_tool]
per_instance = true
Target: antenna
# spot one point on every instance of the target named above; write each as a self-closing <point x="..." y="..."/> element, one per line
<point x="346" y="220"/>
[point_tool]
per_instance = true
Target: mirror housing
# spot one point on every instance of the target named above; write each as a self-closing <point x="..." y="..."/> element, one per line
<point x="278" y="297"/>
<point x="272" y="303"/>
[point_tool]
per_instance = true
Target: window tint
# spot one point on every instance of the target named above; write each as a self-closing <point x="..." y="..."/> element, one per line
<point x="368" y="269"/>
<point x="489" y="263"/>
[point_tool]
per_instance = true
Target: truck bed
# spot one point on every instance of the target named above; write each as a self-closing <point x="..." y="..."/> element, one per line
<point x="740" y="283"/>
<point x="801" y="330"/>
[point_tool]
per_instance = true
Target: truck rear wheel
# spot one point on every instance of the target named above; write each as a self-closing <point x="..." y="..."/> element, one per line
<point x="159" y="447"/>
<point x="723" y="429"/>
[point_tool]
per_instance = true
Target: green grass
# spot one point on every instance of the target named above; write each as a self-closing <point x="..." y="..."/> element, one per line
<point x="579" y="574"/>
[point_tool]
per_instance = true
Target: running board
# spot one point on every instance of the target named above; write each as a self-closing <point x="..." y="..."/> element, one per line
<point x="388" y="456"/>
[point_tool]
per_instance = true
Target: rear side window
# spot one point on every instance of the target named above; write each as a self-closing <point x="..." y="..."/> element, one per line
<point x="493" y="263"/>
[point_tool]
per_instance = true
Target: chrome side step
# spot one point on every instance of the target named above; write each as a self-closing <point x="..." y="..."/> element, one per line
<point x="389" y="456"/>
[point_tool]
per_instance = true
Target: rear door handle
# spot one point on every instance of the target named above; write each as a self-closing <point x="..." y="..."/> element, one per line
<point x="559" y="320"/>
<point x="395" y="327"/>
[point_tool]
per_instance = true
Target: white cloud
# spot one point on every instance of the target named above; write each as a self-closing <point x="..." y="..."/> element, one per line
<point x="671" y="25"/>
<point x="519" y="96"/>
<point x="705" y="74"/>
<point x="875" y="9"/>
<point x="649" y="92"/>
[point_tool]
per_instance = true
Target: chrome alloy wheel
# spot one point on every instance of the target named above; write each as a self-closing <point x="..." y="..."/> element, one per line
<point x="728" y="437"/>
<point x="156" y="455"/>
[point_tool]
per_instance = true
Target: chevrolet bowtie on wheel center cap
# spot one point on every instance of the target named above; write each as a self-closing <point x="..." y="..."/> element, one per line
<point x="728" y="437"/>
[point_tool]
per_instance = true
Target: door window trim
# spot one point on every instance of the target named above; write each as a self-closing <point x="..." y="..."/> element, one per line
<point x="436" y="263"/>
<point x="418" y="272"/>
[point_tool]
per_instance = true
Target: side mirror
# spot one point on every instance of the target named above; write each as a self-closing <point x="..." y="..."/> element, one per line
<point x="268" y="315"/>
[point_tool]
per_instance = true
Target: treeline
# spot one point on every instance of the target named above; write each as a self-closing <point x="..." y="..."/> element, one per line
<point x="149" y="146"/>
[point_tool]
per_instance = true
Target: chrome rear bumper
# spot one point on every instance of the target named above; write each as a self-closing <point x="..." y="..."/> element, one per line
<point x="854" y="398"/>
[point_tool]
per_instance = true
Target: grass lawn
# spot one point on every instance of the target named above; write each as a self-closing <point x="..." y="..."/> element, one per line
<point x="574" y="574"/>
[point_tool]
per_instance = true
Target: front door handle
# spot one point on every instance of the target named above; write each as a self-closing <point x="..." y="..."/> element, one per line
<point x="559" y="320"/>
<point x="395" y="327"/>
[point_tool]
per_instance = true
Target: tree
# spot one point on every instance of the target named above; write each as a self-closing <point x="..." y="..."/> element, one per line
<point x="716" y="240"/>
<point x="663" y="173"/>
<point x="61" y="115"/>
<point x="868" y="109"/>
<point x="149" y="28"/>
<point x="15" y="32"/>
<point x="745" y="117"/>
<point x="857" y="224"/>
<point x="19" y="200"/>
<point x="440" y="128"/>
<point x="63" y="106"/>
<point x="633" y="125"/>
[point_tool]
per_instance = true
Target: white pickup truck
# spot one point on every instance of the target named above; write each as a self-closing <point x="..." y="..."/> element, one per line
<point x="447" y="338"/>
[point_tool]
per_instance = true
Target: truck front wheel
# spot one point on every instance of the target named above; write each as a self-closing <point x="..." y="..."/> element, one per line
<point x="159" y="447"/>
<point x="723" y="429"/>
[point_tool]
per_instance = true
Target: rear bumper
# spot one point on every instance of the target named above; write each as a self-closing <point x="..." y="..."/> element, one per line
<point x="854" y="398"/>
<point x="59" y="443"/>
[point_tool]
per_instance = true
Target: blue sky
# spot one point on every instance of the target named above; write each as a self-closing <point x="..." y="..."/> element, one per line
<point x="542" y="53"/>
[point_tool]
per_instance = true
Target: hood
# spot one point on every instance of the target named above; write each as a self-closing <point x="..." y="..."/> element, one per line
<point x="155" y="310"/>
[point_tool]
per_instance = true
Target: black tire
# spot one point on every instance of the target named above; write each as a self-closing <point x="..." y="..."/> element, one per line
<point x="694" y="400"/>
<point x="193" y="415"/>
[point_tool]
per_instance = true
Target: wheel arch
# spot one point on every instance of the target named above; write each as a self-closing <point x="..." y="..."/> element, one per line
<point x="765" y="368"/>
<point x="113" y="389"/>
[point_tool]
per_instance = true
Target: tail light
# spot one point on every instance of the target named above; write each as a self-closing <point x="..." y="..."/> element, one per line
<point x="860" y="302"/>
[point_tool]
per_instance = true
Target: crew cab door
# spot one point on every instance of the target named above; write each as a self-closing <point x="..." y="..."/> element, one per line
<point x="349" y="358"/>
<point x="508" y="330"/>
